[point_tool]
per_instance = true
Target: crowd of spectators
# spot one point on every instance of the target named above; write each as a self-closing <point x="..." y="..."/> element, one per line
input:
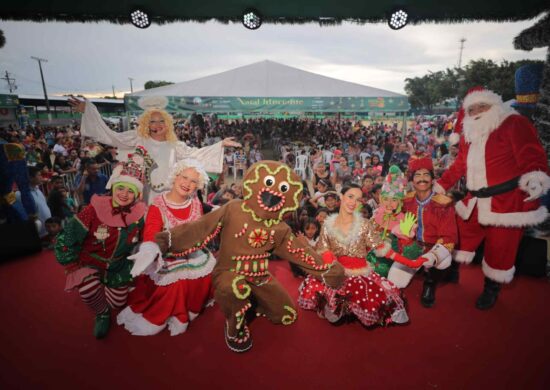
<point x="67" y="169"/>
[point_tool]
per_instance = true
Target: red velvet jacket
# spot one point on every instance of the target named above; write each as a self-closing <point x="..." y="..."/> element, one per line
<point x="437" y="223"/>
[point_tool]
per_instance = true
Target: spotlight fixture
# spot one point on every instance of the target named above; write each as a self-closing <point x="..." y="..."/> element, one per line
<point x="252" y="19"/>
<point x="140" y="19"/>
<point x="398" y="19"/>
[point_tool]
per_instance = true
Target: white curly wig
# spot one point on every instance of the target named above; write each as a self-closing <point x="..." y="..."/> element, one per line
<point x="189" y="163"/>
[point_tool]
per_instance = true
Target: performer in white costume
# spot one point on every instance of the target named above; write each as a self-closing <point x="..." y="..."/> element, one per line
<point x="156" y="134"/>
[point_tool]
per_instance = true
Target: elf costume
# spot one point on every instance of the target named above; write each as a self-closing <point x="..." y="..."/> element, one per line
<point x="394" y="225"/>
<point x="95" y="244"/>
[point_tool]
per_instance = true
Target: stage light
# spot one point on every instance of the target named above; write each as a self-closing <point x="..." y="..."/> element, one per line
<point x="252" y="19"/>
<point x="398" y="19"/>
<point x="140" y="19"/>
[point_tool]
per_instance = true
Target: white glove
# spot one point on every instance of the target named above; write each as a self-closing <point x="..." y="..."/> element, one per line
<point x="438" y="257"/>
<point x="432" y="259"/>
<point x="534" y="189"/>
<point x="148" y="253"/>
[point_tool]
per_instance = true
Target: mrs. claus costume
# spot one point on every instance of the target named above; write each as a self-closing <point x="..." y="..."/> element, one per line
<point x="174" y="289"/>
<point x="506" y="172"/>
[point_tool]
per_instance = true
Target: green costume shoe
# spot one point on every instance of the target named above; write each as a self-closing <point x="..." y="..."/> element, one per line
<point x="102" y="324"/>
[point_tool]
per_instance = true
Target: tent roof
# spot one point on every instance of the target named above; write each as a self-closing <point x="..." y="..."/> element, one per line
<point x="267" y="79"/>
<point x="281" y="11"/>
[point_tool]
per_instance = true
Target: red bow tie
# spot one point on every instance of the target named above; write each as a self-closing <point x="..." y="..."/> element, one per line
<point x="121" y="210"/>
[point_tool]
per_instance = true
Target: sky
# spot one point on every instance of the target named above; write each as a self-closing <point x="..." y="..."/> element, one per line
<point x="91" y="58"/>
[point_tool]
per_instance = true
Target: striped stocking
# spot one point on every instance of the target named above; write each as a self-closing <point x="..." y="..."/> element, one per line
<point x="92" y="294"/>
<point x="116" y="297"/>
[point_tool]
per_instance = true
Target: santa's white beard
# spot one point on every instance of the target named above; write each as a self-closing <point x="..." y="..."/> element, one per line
<point x="486" y="122"/>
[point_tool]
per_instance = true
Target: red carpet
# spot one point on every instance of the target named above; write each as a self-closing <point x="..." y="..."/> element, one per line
<point x="46" y="342"/>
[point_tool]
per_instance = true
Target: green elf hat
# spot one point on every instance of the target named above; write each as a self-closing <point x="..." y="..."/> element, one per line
<point x="394" y="184"/>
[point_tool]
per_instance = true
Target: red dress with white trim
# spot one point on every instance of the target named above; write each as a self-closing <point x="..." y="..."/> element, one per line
<point x="173" y="290"/>
<point x="365" y="294"/>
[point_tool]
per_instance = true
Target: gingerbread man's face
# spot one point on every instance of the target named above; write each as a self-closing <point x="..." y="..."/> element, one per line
<point x="270" y="190"/>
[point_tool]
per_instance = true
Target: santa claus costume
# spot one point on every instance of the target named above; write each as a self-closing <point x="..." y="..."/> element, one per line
<point x="95" y="244"/>
<point x="506" y="172"/>
<point x="174" y="289"/>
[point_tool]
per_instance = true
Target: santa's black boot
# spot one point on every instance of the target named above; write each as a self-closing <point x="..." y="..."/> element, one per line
<point x="489" y="296"/>
<point x="428" y="290"/>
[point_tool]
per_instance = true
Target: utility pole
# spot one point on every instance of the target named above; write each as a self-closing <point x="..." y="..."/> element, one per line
<point x="460" y="77"/>
<point x="462" y="40"/>
<point x="114" y="96"/>
<point x="11" y="82"/>
<point x="44" y="85"/>
<point x="131" y="87"/>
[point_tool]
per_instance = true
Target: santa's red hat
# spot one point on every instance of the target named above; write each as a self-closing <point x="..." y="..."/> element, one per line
<point x="480" y="95"/>
<point x="421" y="161"/>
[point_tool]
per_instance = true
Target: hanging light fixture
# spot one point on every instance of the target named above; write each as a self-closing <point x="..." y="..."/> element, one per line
<point x="140" y="19"/>
<point x="398" y="19"/>
<point x="252" y="19"/>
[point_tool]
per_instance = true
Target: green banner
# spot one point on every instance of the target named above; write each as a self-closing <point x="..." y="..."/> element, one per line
<point x="9" y="101"/>
<point x="205" y="104"/>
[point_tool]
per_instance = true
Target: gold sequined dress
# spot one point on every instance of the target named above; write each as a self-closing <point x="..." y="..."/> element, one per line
<point x="365" y="294"/>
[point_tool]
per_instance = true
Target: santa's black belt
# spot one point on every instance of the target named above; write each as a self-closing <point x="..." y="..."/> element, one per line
<point x="497" y="189"/>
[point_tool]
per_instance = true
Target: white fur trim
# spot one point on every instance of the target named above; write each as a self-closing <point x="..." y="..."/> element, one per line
<point x="464" y="211"/>
<point x="363" y="271"/>
<point x="517" y="219"/>
<point x="485" y="96"/>
<point x="351" y="236"/>
<point x="476" y="175"/>
<point x="165" y="279"/>
<point x="438" y="189"/>
<point x="400" y="274"/>
<point x="463" y="257"/>
<point x="454" y="138"/>
<point x="136" y="324"/>
<point x="498" y="275"/>
<point x="176" y="327"/>
<point x="116" y="177"/>
<point x="538" y="176"/>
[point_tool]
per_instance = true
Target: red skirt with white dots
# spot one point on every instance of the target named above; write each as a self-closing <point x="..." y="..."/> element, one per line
<point x="373" y="299"/>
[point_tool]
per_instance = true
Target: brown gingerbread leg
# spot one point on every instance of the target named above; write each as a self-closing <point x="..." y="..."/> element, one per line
<point x="274" y="302"/>
<point x="232" y="294"/>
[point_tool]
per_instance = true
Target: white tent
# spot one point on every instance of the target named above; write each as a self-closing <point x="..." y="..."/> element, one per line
<point x="271" y="86"/>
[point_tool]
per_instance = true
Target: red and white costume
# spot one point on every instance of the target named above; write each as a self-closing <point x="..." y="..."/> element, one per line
<point x="507" y="151"/>
<point x="173" y="290"/>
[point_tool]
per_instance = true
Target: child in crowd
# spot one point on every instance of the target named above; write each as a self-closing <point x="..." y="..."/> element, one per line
<point x="310" y="231"/>
<point x="321" y="215"/>
<point x="53" y="227"/>
<point x="331" y="202"/>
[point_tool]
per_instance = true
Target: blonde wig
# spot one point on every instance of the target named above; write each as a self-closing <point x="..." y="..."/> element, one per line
<point x="145" y="118"/>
